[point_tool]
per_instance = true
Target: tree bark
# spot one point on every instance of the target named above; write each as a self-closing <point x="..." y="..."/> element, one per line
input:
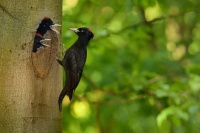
<point x="29" y="83"/>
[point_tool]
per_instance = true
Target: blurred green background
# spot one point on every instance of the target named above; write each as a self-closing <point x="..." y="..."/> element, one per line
<point x="143" y="66"/>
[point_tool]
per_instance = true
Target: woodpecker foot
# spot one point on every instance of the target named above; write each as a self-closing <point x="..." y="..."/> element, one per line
<point x="59" y="61"/>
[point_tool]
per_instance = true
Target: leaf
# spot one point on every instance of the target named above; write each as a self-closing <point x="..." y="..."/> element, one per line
<point x="171" y="111"/>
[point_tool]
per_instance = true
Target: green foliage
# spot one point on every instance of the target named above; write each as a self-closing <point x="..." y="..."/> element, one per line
<point x="142" y="72"/>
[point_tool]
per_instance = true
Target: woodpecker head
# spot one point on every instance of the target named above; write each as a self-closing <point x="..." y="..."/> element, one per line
<point x="49" y="24"/>
<point x="39" y="42"/>
<point x="83" y="32"/>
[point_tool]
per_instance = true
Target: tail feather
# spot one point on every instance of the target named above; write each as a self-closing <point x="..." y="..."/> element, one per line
<point x="65" y="91"/>
<point x="61" y="97"/>
<point x="71" y="83"/>
<point x="70" y="93"/>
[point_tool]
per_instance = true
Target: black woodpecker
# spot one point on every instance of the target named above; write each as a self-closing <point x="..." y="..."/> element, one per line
<point x="46" y="24"/>
<point x="39" y="42"/>
<point x="73" y="62"/>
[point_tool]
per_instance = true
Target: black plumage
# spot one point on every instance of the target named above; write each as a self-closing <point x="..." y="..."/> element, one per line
<point x="73" y="62"/>
<point x="39" y="42"/>
<point x="46" y="24"/>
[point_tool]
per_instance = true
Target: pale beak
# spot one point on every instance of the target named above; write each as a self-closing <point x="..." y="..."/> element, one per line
<point x="57" y="25"/>
<point x="53" y="27"/>
<point x="42" y="41"/>
<point x="74" y="29"/>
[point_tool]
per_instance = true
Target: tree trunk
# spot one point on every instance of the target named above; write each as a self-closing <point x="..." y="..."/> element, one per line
<point x="29" y="83"/>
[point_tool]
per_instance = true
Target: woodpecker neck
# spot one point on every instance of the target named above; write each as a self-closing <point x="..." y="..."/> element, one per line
<point x="41" y="29"/>
<point x="82" y="42"/>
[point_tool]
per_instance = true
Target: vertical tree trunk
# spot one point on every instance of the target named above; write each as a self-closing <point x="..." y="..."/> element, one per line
<point x="29" y="83"/>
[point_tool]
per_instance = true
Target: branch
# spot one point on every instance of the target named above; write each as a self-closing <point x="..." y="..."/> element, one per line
<point x="132" y="90"/>
<point x="103" y="91"/>
<point x="97" y="108"/>
<point x="143" y="23"/>
<point x="131" y="27"/>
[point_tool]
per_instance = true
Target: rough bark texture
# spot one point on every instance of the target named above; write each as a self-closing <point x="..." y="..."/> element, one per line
<point x="29" y="83"/>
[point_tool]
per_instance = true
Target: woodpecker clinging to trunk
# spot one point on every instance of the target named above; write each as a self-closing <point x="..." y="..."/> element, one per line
<point x="73" y="62"/>
<point x="46" y="24"/>
<point x="39" y="42"/>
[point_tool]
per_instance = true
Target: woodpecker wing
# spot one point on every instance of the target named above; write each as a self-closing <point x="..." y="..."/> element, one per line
<point x="73" y="74"/>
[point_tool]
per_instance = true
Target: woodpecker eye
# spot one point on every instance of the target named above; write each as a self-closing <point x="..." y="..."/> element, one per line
<point x="81" y="30"/>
